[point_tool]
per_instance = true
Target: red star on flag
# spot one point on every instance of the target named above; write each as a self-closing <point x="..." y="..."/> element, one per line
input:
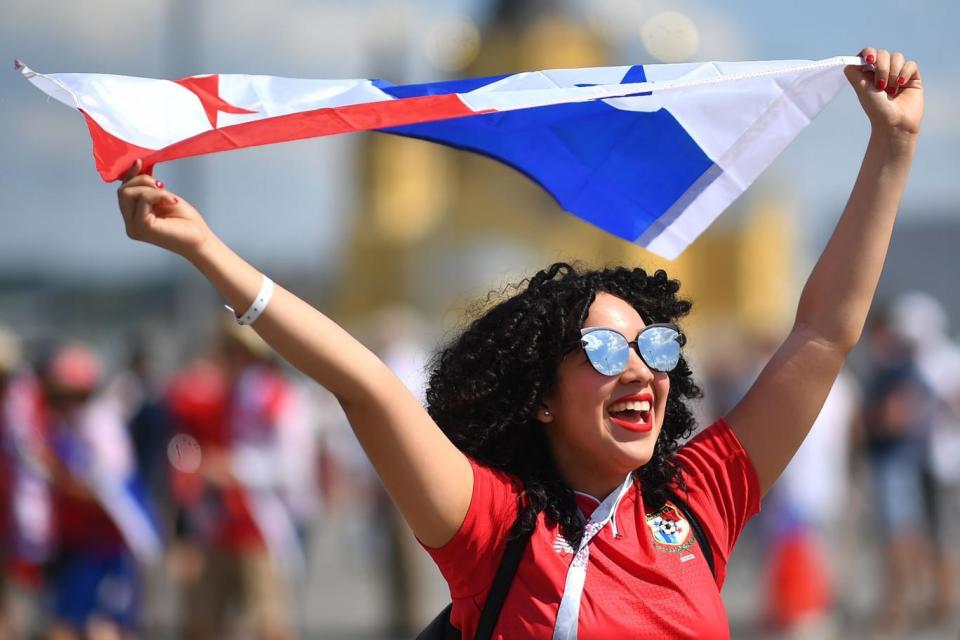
<point x="207" y="89"/>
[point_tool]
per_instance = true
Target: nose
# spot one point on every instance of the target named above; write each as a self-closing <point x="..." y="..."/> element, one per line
<point x="637" y="370"/>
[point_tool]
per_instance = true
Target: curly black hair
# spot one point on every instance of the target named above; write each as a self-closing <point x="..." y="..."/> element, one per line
<point x="488" y="383"/>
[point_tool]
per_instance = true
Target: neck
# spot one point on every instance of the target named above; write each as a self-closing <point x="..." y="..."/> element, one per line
<point x="600" y="492"/>
<point x="592" y="480"/>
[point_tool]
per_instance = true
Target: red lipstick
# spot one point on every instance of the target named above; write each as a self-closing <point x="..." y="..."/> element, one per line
<point x="644" y="420"/>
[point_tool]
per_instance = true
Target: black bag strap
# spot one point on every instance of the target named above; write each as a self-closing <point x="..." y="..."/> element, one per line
<point x="501" y="584"/>
<point x="440" y="628"/>
<point x="698" y="532"/>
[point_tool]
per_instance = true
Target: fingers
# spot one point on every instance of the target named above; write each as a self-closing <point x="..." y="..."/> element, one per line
<point x="152" y="196"/>
<point x="139" y="192"/>
<point x="127" y="189"/>
<point x="860" y="77"/>
<point x="896" y="65"/>
<point x="146" y="201"/>
<point x="891" y="70"/>
<point x="131" y="197"/>
<point x="142" y="180"/>
<point x="863" y="77"/>
<point x="128" y="192"/>
<point x="137" y="174"/>
<point x="133" y="170"/>
<point x="881" y="69"/>
<point x="132" y="179"/>
<point x="909" y="74"/>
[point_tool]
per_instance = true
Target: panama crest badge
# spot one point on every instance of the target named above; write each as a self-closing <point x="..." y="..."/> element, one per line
<point x="671" y="531"/>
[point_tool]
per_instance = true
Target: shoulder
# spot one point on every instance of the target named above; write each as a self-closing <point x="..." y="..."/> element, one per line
<point x="719" y="484"/>
<point x="494" y="487"/>
<point x="468" y="560"/>
<point x="494" y="504"/>
<point x="711" y="448"/>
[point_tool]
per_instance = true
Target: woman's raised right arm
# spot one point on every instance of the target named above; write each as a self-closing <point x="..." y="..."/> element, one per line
<point x="428" y="478"/>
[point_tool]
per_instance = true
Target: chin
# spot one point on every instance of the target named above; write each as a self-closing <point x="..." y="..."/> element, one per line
<point x="643" y="460"/>
<point x="632" y="457"/>
<point x="638" y="452"/>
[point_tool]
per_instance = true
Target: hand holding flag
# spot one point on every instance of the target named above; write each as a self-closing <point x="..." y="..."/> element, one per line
<point x="890" y="90"/>
<point x="152" y="214"/>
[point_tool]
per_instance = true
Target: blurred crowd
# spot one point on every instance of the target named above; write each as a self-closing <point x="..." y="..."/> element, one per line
<point x="103" y="478"/>
<point x="860" y="537"/>
<point x="120" y="486"/>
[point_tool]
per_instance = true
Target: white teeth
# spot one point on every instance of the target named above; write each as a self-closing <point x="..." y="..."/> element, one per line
<point x="631" y="405"/>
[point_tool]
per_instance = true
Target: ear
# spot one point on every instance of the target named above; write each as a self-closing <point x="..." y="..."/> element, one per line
<point x="544" y="413"/>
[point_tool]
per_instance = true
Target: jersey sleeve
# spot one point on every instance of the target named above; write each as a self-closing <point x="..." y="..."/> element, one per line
<point x="470" y="559"/>
<point x="722" y="488"/>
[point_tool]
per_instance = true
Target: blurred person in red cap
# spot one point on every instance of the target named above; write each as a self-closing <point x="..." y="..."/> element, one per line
<point x="234" y="513"/>
<point x="102" y="525"/>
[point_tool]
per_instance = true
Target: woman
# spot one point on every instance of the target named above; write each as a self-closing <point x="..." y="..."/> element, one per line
<point x="541" y="415"/>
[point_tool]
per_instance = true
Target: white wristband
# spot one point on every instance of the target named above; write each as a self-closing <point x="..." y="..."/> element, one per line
<point x="259" y="303"/>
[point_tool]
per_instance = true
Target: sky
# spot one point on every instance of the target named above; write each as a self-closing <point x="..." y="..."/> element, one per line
<point x="289" y="206"/>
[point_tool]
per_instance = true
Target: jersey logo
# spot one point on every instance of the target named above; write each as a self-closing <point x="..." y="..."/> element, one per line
<point x="671" y="531"/>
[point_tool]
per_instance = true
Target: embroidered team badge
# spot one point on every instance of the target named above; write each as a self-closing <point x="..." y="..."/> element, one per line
<point x="671" y="531"/>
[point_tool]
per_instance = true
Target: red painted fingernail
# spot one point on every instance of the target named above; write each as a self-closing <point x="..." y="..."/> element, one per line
<point x="892" y="89"/>
<point x="871" y="59"/>
<point x="881" y="84"/>
<point x="901" y="81"/>
<point x="159" y="184"/>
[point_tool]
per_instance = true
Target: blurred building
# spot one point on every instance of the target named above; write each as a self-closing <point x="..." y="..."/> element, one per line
<point x="436" y="227"/>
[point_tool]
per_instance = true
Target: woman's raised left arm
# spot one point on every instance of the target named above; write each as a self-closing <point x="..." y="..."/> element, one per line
<point x="775" y="415"/>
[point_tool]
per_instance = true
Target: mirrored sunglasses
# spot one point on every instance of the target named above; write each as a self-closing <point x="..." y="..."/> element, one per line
<point x="608" y="350"/>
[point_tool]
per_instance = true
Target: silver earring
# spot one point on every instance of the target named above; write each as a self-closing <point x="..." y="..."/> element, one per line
<point x="546" y="412"/>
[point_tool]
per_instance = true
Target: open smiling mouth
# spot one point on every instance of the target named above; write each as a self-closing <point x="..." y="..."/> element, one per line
<point x="634" y="413"/>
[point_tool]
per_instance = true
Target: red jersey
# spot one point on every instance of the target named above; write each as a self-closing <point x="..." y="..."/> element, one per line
<point x="645" y="574"/>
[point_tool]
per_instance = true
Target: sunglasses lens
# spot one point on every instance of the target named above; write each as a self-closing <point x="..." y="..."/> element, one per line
<point x="607" y="351"/>
<point x="660" y="347"/>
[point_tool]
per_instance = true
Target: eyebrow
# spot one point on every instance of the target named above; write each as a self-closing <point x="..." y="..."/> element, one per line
<point x="639" y="331"/>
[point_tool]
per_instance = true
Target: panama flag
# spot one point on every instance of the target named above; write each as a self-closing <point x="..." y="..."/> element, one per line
<point x="650" y="153"/>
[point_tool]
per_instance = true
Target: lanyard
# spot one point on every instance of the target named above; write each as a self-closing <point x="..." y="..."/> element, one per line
<point x="568" y="616"/>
